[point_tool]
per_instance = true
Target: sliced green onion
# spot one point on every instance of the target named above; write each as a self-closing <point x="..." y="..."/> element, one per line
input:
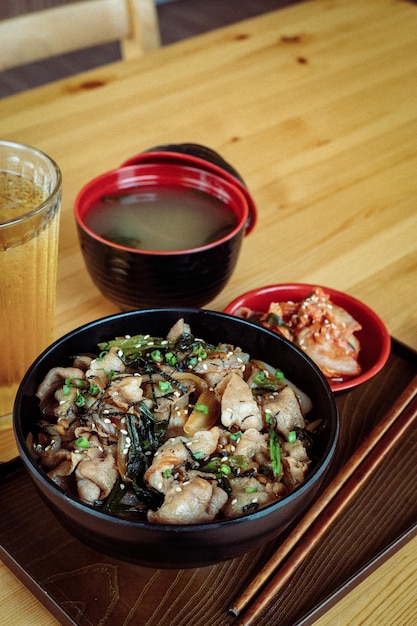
<point x="75" y="382"/>
<point x="170" y="358"/>
<point x="167" y="473"/>
<point x="93" y="389"/>
<point x="292" y="436"/>
<point x="275" y="452"/>
<point x="202" y="408"/>
<point x="164" y="385"/>
<point x="82" y="442"/>
<point x="251" y="489"/>
<point x="110" y="374"/>
<point x="225" y="469"/>
<point x="156" y="355"/>
<point x="80" y="401"/>
<point x="200" y="352"/>
<point x="259" y="379"/>
<point x="279" y="375"/>
<point x="268" y="417"/>
<point x="235" y="436"/>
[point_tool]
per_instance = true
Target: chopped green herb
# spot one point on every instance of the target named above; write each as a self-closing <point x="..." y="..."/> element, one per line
<point x="168" y="472"/>
<point x="170" y="358"/>
<point x="156" y="355"/>
<point x="80" y="401"/>
<point x="279" y="375"/>
<point x="275" y="452"/>
<point x="202" y="408"/>
<point x="268" y="417"/>
<point x="200" y="352"/>
<point x="292" y="436"/>
<point x="251" y="489"/>
<point x="164" y="385"/>
<point x="260" y="379"/>
<point x="235" y="436"/>
<point x="82" y="442"/>
<point x="93" y="389"/>
<point x="224" y="469"/>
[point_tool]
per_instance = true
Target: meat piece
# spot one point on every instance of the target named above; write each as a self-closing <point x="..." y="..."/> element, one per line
<point x="284" y="408"/>
<point x="248" y="494"/>
<point x="171" y="454"/>
<point x="238" y="406"/>
<point x="101" y="366"/>
<point x="54" y="379"/>
<point x="220" y="363"/>
<point x="65" y="400"/>
<point x="204" y="441"/>
<point x="253" y="445"/>
<point x="124" y="391"/>
<point x="66" y="466"/>
<point x="296" y="450"/>
<point x="196" y="501"/>
<point x="179" y="328"/>
<point x="294" y="471"/>
<point x="95" y="475"/>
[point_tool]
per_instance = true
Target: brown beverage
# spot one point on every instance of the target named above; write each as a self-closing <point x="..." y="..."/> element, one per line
<point x="29" y="217"/>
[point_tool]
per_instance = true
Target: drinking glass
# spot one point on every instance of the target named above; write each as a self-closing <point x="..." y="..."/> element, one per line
<point x="30" y="200"/>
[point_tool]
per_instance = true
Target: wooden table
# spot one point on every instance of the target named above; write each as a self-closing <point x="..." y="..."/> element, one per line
<point x="315" y="105"/>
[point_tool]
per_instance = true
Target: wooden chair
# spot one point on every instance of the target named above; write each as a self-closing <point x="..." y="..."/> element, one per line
<point x="46" y="33"/>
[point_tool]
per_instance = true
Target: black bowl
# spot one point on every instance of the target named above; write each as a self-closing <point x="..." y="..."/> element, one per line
<point x="179" y="546"/>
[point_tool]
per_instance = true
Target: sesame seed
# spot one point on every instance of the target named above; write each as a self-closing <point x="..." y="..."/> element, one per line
<point x="123" y="431"/>
<point x="178" y="489"/>
<point x="234" y="501"/>
<point x="160" y="486"/>
<point x="107" y="420"/>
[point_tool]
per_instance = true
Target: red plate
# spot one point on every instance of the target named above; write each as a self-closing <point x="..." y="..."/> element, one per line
<point x="374" y="337"/>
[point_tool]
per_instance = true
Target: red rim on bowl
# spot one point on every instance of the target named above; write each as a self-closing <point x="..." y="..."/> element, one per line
<point x="154" y="174"/>
<point x="374" y="337"/>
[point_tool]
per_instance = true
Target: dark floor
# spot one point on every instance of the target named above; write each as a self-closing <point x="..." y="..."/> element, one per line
<point x="178" y="20"/>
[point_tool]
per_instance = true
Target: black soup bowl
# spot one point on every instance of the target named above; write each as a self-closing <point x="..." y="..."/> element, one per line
<point x="168" y="258"/>
<point x="166" y="545"/>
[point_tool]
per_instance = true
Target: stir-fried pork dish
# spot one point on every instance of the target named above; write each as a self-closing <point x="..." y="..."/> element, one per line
<point x="172" y="430"/>
<point x="324" y="331"/>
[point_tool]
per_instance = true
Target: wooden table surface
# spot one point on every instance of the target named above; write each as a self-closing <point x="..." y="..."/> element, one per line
<point x="315" y="105"/>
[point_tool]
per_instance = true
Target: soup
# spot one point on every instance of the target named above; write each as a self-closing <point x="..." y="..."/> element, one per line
<point x="161" y="219"/>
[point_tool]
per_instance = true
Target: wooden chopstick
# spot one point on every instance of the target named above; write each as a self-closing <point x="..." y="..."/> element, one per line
<point x="363" y="462"/>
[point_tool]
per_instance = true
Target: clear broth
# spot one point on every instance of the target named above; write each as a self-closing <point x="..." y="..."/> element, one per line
<point x="161" y="219"/>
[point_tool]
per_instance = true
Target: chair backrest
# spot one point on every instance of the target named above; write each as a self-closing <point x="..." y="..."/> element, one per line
<point x="38" y="35"/>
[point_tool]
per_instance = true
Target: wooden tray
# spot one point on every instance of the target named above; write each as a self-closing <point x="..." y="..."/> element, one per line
<point x="81" y="586"/>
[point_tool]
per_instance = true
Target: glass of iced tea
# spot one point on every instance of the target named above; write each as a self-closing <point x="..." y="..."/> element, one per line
<point x="30" y="200"/>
